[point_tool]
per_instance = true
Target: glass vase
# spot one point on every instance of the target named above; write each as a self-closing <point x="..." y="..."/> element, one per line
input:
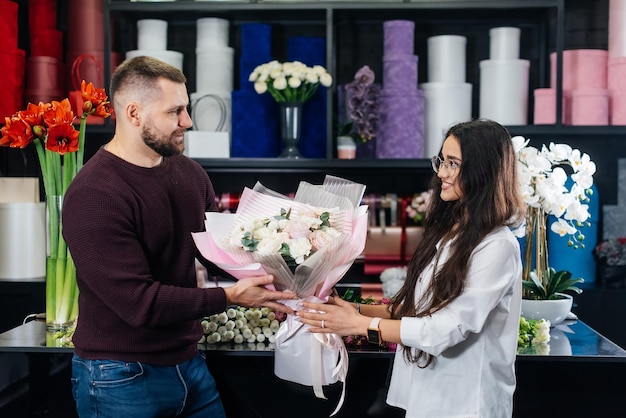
<point x="535" y="245"/>
<point x="290" y="128"/>
<point x="61" y="288"/>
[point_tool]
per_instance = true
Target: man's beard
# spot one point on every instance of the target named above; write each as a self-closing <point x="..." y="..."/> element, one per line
<point x="161" y="144"/>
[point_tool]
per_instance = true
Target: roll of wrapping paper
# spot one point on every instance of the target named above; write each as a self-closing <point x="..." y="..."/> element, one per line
<point x="8" y="25"/>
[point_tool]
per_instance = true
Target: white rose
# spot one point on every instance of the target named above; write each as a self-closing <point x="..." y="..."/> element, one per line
<point x="320" y="239"/>
<point x="299" y="249"/>
<point x="269" y="245"/>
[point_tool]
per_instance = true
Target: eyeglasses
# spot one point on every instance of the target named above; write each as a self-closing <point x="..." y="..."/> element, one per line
<point x="450" y="166"/>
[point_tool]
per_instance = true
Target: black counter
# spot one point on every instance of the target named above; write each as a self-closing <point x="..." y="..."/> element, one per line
<point x="580" y="376"/>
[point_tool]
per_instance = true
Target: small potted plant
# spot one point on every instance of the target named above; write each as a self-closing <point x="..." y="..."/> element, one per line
<point x="550" y="289"/>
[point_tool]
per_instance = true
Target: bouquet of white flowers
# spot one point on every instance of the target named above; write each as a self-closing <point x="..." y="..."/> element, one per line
<point x="307" y="243"/>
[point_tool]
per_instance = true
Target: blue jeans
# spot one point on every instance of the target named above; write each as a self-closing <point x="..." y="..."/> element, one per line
<point x="114" y="389"/>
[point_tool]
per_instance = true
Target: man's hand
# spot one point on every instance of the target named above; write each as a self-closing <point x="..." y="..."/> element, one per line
<point x="251" y="292"/>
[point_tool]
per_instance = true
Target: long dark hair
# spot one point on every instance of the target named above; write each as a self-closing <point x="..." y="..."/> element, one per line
<point x="490" y="198"/>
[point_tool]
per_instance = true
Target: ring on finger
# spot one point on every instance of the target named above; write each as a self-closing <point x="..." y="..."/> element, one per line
<point x="322" y="323"/>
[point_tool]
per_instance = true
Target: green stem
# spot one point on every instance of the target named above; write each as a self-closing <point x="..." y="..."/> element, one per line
<point x="68" y="291"/>
<point x="81" y="142"/>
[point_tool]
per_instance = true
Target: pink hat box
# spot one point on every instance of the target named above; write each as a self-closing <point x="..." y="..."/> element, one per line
<point x="590" y="107"/>
<point x="545" y="107"/>
<point x="582" y="69"/>
<point x="42" y="74"/>
<point x="617" y="90"/>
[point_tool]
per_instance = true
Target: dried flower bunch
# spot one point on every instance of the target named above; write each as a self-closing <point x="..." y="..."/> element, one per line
<point x="362" y="105"/>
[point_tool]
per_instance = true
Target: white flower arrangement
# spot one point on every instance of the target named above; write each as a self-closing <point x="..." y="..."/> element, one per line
<point x="542" y="184"/>
<point x="534" y="336"/>
<point x="241" y="325"/>
<point x="289" y="81"/>
<point x="542" y="181"/>
<point x="294" y="235"/>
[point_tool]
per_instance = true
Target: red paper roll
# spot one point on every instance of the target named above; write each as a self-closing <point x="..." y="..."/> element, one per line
<point x="8" y="26"/>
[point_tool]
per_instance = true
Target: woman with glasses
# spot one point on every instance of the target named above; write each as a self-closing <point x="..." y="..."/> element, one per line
<point x="456" y="317"/>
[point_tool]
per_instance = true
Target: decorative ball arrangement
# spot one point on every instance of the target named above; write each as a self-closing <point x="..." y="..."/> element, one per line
<point x="240" y="325"/>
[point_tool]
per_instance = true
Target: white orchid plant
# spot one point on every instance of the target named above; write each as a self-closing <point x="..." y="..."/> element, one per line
<point x="289" y="81"/>
<point x="543" y="184"/>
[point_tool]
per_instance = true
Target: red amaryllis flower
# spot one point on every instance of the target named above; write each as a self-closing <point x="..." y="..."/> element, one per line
<point x="94" y="100"/>
<point x="33" y="115"/>
<point x="58" y="113"/>
<point x="62" y="138"/>
<point x="16" y="133"/>
<point x="60" y="150"/>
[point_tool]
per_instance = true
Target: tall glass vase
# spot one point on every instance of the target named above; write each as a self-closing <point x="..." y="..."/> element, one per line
<point x="290" y="128"/>
<point x="536" y="244"/>
<point x="61" y="288"/>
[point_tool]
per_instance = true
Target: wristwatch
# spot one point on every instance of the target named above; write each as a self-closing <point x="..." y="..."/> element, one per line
<point x="373" y="332"/>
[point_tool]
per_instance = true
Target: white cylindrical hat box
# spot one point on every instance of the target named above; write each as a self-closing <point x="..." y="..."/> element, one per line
<point x="173" y="58"/>
<point x="214" y="70"/>
<point x="504" y="91"/>
<point x="504" y="43"/>
<point x="440" y="112"/>
<point x="23" y="241"/>
<point x="211" y="32"/>
<point x="446" y="58"/>
<point x="152" y="34"/>
<point x="211" y="112"/>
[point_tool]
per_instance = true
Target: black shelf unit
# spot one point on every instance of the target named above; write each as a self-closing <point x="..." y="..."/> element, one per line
<point x="542" y="23"/>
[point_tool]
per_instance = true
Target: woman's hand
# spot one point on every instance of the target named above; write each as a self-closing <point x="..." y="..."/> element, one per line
<point x="336" y="317"/>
